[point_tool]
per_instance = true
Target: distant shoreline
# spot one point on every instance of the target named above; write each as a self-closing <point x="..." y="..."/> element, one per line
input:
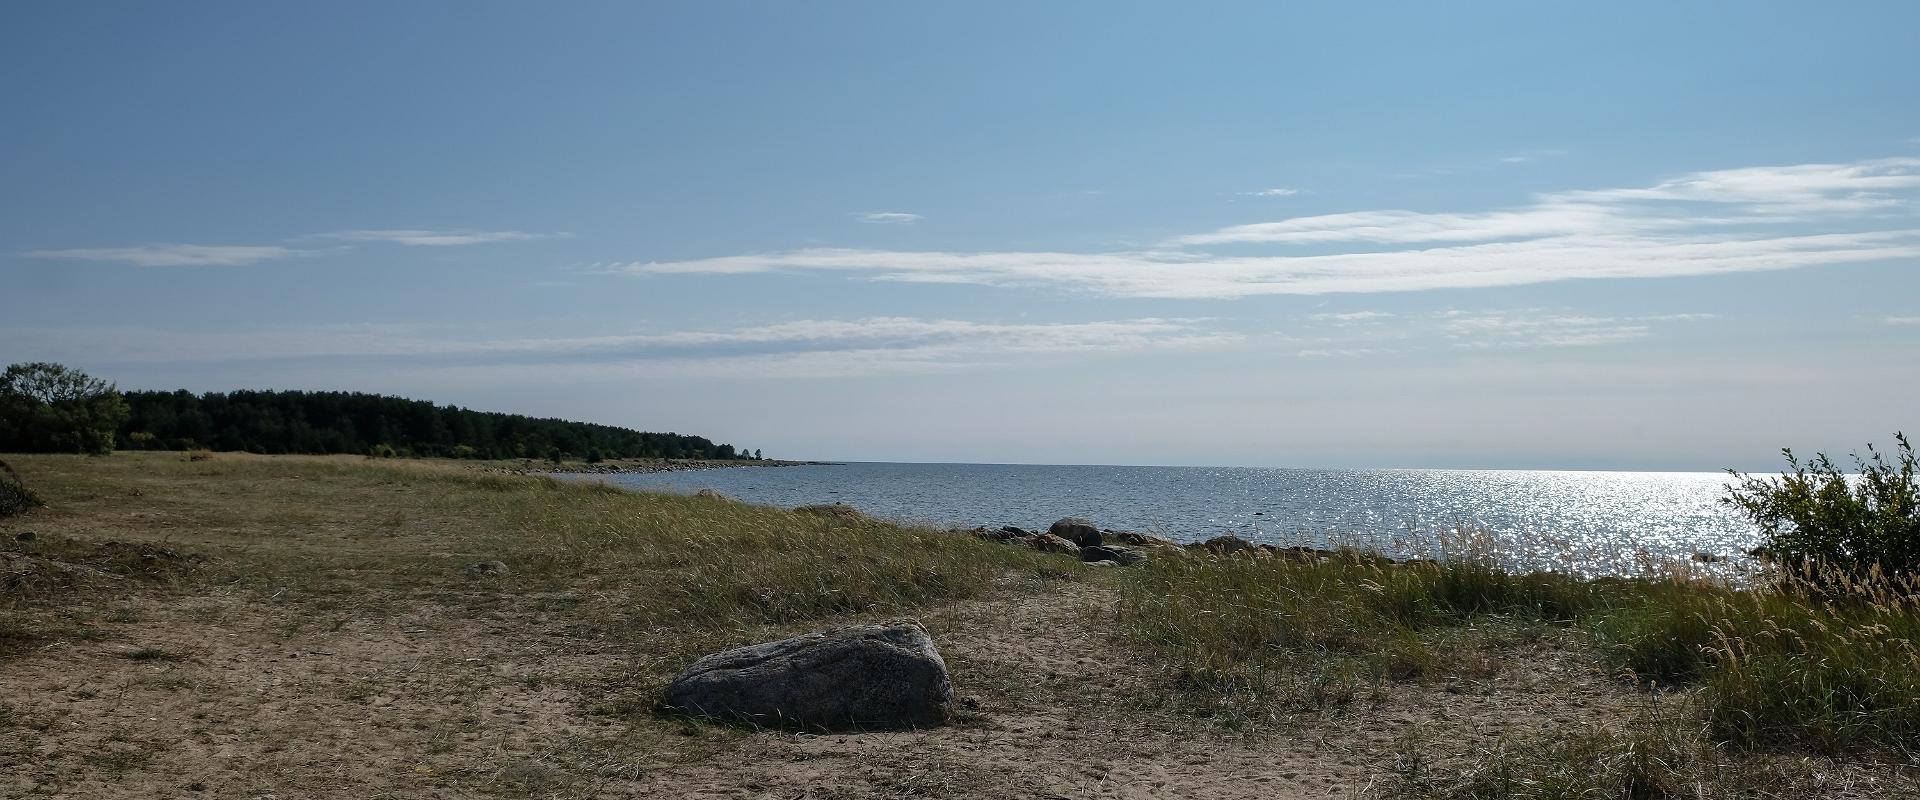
<point x="642" y="466"/>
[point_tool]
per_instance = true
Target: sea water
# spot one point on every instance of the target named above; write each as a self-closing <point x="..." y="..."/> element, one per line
<point x="1585" y="521"/>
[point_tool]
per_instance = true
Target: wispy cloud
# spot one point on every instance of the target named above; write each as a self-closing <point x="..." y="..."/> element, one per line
<point x="1351" y="317"/>
<point x="438" y="238"/>
<point x="174" y="255"/>
<point x="1705" y="223"/>
<point x="888" y="217"/>
<point x="1345" y="352"/>
<point x="1900" y="320"/>
<point x="1366" y="333"/>
<point x="1531" y="155"/>
<point x="857" y="346"/>
<point x="1534" y="329"/>
<point x="1278" y="191"/>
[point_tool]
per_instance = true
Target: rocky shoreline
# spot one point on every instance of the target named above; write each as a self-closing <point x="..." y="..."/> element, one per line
<point x="1104" y="547"/>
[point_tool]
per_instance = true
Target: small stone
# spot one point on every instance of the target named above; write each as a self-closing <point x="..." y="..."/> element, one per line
<point x="1050" y="543"/>
<point x="485" y="568"/>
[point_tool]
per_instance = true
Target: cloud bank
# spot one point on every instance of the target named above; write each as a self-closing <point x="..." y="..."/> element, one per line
<point x="1704" y="223"/>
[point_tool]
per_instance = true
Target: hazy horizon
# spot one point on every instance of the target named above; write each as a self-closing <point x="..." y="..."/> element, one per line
<point x="1503" y="236"/>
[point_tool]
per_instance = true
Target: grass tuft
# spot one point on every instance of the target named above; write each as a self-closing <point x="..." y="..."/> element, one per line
<point x="149" y="654"/>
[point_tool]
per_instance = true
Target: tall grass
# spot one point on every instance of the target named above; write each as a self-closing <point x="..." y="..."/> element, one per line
<point x="1648" y="758"/>
<point x="1317" y="632"/>
<point x="1827" y="664"/>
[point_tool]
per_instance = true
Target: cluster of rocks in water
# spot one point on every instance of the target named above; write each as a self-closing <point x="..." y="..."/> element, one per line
<point x="1102" y="547"/>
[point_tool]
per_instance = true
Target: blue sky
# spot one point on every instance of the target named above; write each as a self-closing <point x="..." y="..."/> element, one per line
<point x="1631" y="235"/>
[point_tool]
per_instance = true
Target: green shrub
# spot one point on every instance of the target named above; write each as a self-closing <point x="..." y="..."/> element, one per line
<point x="382" y="450"/>
<point x="48" y="408"/>
<point x="15" y="497"/>
<point x="1817" y="518"/>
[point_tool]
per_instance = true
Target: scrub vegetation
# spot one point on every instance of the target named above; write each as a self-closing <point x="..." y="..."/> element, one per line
<point x="473" y="633"/>
<point x="1816" y="655"/>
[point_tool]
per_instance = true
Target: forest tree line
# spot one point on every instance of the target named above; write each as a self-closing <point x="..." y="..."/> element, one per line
<point x="276" y="422"/>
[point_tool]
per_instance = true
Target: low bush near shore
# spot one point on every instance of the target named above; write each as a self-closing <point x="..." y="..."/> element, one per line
<point x="1821" y="522"/>
<point x="15" y="497"/>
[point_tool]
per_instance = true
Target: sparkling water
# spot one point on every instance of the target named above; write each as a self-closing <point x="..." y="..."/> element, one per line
<point x="1577" y="520"/>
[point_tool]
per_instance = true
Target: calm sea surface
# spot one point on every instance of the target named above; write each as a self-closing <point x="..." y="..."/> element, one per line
<point x="1583" y="521"/>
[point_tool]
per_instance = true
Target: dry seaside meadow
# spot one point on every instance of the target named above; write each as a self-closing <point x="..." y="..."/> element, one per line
<point x="241" y="626"/>
<point x="1230" y="401"/>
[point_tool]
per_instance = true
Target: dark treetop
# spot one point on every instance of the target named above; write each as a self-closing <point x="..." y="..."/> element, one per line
<point x="352" y="422"/>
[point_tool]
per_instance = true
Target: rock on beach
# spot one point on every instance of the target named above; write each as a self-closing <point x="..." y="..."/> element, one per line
<point x="851" y="678"/>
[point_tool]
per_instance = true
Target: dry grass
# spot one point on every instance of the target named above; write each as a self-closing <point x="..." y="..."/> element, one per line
<point x="1820" y="669"/>
<point x="247" y="623"/>
<point x="354" y="576"/>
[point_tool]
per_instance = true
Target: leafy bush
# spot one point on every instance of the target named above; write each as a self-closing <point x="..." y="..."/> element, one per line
<point x="15" y="497"/>
<point x="382" y="450"/>
<point x="48" y="408"/>
<point x="1818" y="519"/>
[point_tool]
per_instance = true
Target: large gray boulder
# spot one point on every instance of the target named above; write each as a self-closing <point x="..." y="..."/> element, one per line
<point x="1080" y="531"/>
<point x="851" y="678"/>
